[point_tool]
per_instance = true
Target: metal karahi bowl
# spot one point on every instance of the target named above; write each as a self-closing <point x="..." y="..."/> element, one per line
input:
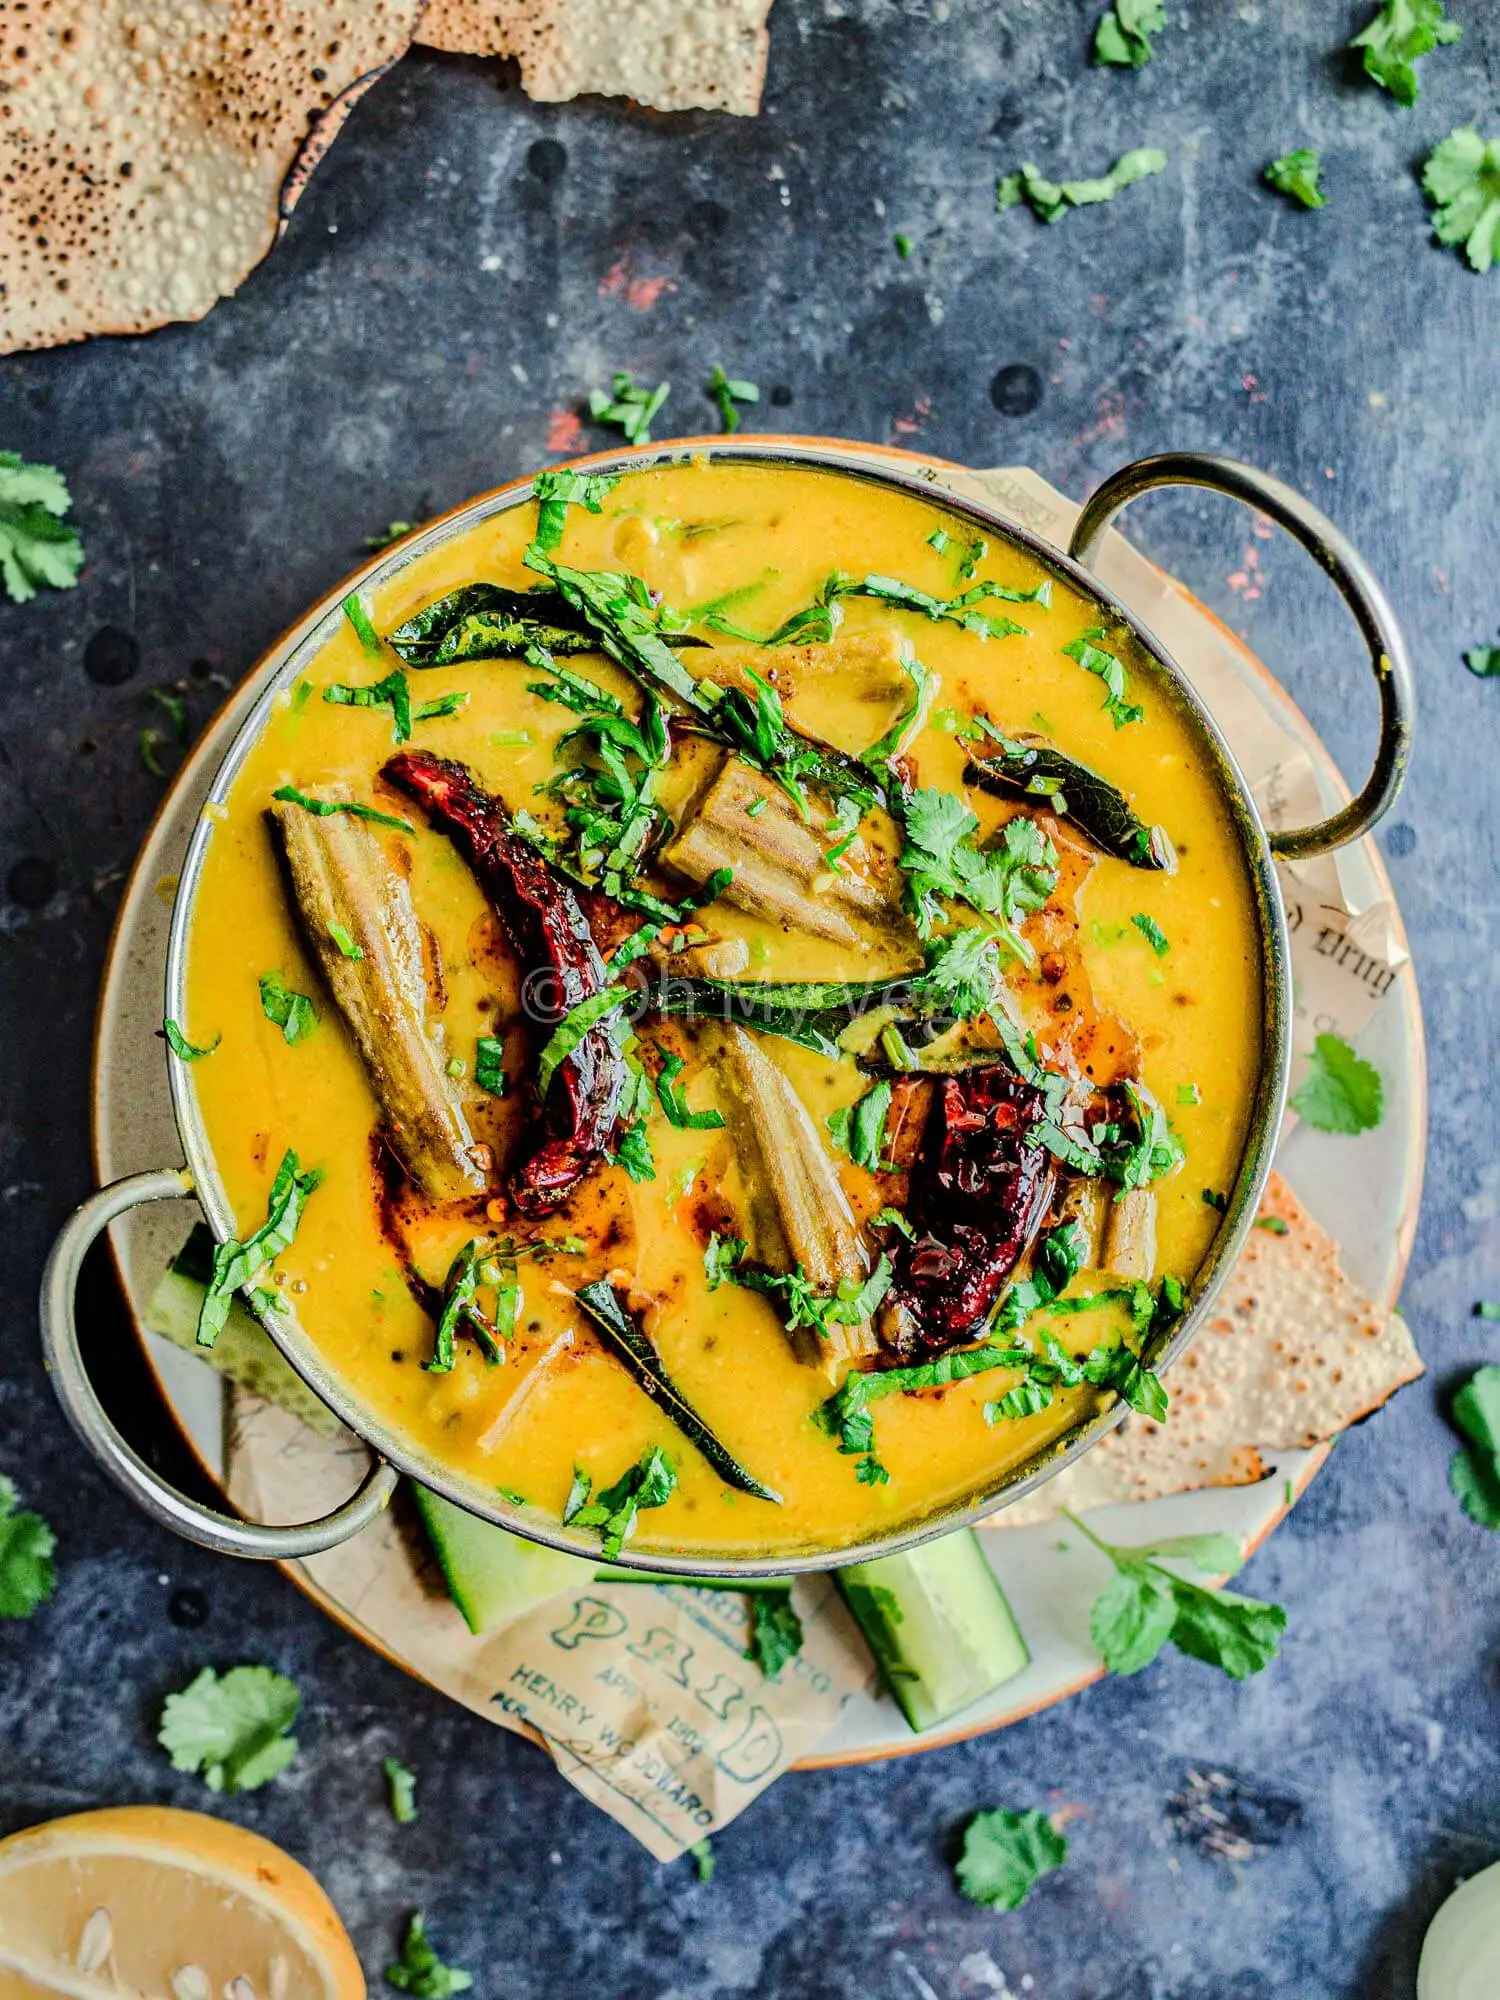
<point x="395" y="1455"/>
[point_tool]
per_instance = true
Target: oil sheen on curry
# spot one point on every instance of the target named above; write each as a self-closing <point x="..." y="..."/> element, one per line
<point x="731" y="1000"/>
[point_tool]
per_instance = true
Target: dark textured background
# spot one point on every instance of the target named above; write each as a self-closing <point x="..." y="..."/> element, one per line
<point x="445" y="284"/>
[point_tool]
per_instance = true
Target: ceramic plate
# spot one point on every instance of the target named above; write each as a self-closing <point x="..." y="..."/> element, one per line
<point x="1364" y="1191"/>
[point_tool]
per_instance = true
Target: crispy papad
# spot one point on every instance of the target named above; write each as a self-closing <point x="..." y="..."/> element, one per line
<point x="1293" y="1354"/>
<point x="672" y="55"/>
<point x="151" y="151"/>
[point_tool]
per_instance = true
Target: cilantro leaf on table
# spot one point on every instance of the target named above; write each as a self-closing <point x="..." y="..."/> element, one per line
<point x="1341" y="1092"/>
<point x="703" y="1859"/>
<point x="1483" y="661"/>
<point x="726" y="391"/>
<point x="1398" y="35"/>
<point x="401" y="1785"/>
<point x="629" y="404"/>
<point x="1051" y="200"/>
<point x="775" y="1631"/>
<point x="28" y="1576"/>
<point x="393" y="531"/>
<point x="1474" y="1474"/>
<point x="1298" y="174"/>
<point x="36" y="546"/>
<point x="1462" y="181"/>
<point x="232" y="1730"/>
<point x="1124" y="34"/>
<point x="1147" y="1606"/>
<point x="1006" y="1854"/>
<point x="421" y="1972"/>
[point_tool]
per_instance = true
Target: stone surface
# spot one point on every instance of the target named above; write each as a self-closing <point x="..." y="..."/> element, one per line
<point x="463" y="268"/>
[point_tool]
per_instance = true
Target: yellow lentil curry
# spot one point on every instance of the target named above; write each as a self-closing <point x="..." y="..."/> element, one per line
<point x="730" y="999"/>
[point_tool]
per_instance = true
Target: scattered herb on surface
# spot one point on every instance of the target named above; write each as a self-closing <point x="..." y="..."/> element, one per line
<point x="1051" y="200"/>
<point x="324" y="808"/>
<point x="182" y="1048"/>
<point x="237" y="1264"/>
<point x="489" y="1065"/>
<point x="555" y="492"/>
<point x="1005" y="1855"/>
<point x="1399" y="35"/>
<point x="727" y="391"/>
<point x="294" y="1013"/>
<point x="28" y="1576"/>
<point x="150" y="744"/>
<point x="1483" y="661"/>
<point x="1111" y="670"/>
<point x="703" y="1859"/>
<point x="1474" y="1473"/>
<point x="232" y="1730"/>
<point x="420" y="1971"/>
<point x="1275" y="1225"/>
<point x="1487" y="1309"/>
<point x="401" y="1785"/>
<point x="393" y="531"/>
<point x="775" y="1631"/>
<point x="1341" y="1092"/>
<point x="1123" y="36"/>
<point x="36" y="546"/>
<point x="1299" y="175"/>
<point x="1153" y="933"/>
<point x="629" y="404"/>
<point x="356" y="611"/>
<point x="651" y="1483"/>
<point x="1462" y="180"/>
<point x="1147" y="1606"/>
<point x="903" y="244"/>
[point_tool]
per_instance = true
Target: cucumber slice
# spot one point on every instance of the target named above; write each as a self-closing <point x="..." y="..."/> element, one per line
<point x="493" y="1576"/>
<point x="938" y="1623"/>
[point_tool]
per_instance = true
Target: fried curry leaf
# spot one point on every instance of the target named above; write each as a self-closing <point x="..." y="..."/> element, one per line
<point x="1399" y="35"/>
<point x="1462" y="180"/>
<point x="36" y="545"/>
<point x="1341" y="1092"/>
<point x="1123" y="36"/>
<point x="294" y="1013"/>
<point x="726" y="391"/>
<point x="775" y="1631"/>
<point x="651" y="1483"/>
<point x="1298" y="174"/>
<point x="27" y="1574"/>
<point x="232" y="1730"/>
<point x="1005" y="1854"/>
<point x="1051" y="200"/>
<point x="556" y="491"/>
<point x="420" y="1971"/>
<point x="629" y="404"/>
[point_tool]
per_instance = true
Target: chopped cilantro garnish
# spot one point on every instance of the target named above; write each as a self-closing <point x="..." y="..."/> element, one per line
<point x="1148" y="1606"/>
<point x="859" y="1129"/>
<point x="629" y="404"/>
<point x="1051" y="200"/>
<point x="720" y="1255"/>
<point x="775" y="1631"/>
<point x="1462" y="180"/>
<point x="1401" y="32"/>
<point x="461" y="1310"/>
<point x="703" y="1859"/>
<point x="394" y="693"/>
<point x="237" y="1264"/>
<point x="1005" y="1854"/>
<point x="941" y="859"/>
<point x="726" y="391"/>
<point x="903" y="244"/>
<point x="182" y="1048"/>
<point x="345" y="941"/>
<point x="232" y="1729"/>
<point x="36" y="547"/>
<point x="1123" y="36"/>
<point x="324" y="808"/>
<point x="293" y="1013"/>
<point x="393" y="531"/>
<point x="557" y="491"/>
<point x="651" y="1483"/>
<point x="357" y="612"/>
<point x="1299" y="175"/>
<point x="1110" y="669"/>
<point x="674" y="1102"/>
<point x="1274" y="1225"/>
<point x="1341" y="1092"/>
<point x="489" y="1065"/>
<point x="27" y="1574"/>
<point x="572" y="1028"/>
<point x="1152" y="932"/>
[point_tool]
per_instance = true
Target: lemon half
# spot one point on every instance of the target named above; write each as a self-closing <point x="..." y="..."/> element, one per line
<point x="175" y="1905"/>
